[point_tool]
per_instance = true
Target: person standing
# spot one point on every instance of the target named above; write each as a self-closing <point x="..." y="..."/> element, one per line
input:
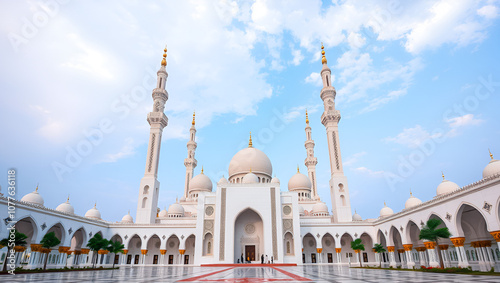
<point x="272" y="259"/>
<point x="242" y="259"/>
<point x="262" y="259"/>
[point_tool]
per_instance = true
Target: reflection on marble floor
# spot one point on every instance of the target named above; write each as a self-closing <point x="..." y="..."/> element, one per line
<point x="308" y="273"/>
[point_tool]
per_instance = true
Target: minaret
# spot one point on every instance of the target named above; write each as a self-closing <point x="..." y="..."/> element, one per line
<point x="339" y="190"/>
<point x="190" y="162"/>
<point x="311" y="161"/>
<point x="149" y="189"/>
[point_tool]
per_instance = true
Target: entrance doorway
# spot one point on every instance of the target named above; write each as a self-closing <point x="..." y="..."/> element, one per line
<point x="136" y="259"/>
<point x="170" y="259"/>
<point x="250" y="253"/>
<point x="129" y="259"/>
<point x="330" y="257"/>
<point x="117" y="258"/>
<point x="313" y="258"/>
<point x="155" y="259"/>
<point x="186" y="259"/>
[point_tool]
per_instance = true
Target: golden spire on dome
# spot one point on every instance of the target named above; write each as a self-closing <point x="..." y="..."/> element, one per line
<point x="192" y="123"/>
<point x="384" y="203"/>
<point x="67" y="200"/>
<point x="202" y="169"/>
<point x="36" y="189"/>
<point x="411" y="193"/>
<point x="442" y="174"/>
<point x="307" y="118"/>
<point x="250" y="169"/>
<point x="164" y="60"/>
<point x="95" y="205"/>
<point x="323" y="59"/>
<point x="250" y="140"/>
<point x="298" y="171"/>
<point x="491" y="155"/>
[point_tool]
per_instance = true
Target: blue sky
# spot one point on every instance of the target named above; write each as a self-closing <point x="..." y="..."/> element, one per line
<point x="417" y="85"/>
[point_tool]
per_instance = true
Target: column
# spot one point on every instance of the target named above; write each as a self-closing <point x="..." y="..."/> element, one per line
<point x="459" y="242"/>
<point x="181" y="252"/>
<point x="124" y="259"/>
<point x="143" y="252"/>
<point x="85" y="252"/>
<point x="409" y="259"/>
<point x="444" y="254"/>
<point x="401" y="253"/>
<point x="496" y="236"/>
<point x="433" y="257"/>
<point x="339" y="255"/>
<point x="486" y="247"/>
<point x="392" y="258"/>
<point x="162" y="259"/>
<point x="421" y="255"/>
<point x="483" y="266"/>
<point x="318" y="255"/>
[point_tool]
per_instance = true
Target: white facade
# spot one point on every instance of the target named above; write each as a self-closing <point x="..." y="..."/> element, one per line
<point x="248" y="215"/>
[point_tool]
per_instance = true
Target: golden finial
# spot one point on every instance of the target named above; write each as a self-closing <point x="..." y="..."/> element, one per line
<point x="129" y="212"/>
<point x="95" y="204"/>
<point x="298" y="169"/>
<point x="194" y="113"/>
<point x="164" y="60"/>
<point x="384" y="203"/>
<point x="491" y="155"/>
<point x="67" y="199"/>
<point x="442" y="174"/>
<point x="250" y="141"/>
<point x="250" y="169"/>
<point x="202" y="169"/>
<point x="323" y="59"/>
<point x="411" y="193"/>
<point x="307" y="118"/>
<point x="36" y="190"/>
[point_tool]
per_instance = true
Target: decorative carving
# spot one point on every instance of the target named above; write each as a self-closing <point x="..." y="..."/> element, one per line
<point x="496" y="235"/>
<point x="287" y="210"/>
<point x="408" y="247"/>
<point x="337" y="235"/>
<point x="311" y="243"/>
<point x="355" y="235"/>
<point x="458" y="241"/>
<point x="287" y="224"/>
<point x="443" y="247"/>
<point x="420" y="249"/>
<point x="151" y="151"/>
<point x="401" y="228"/>
<point x="143" y="252"/>
<point x="182" y="237"/>
<point x="430" y="245"/>
<point x="448" y="216"/>
<point x="126" y="237"/>
<point x="401" y="251"/>
<point x="250" y="228"/>
<point x="209" y="210"/>
<point x="222" y="241"/>
<point x="328" y="243"/>
<point x="90" y="235"/>
<point x="318" y="235"/>
<point x="145" y="237"/>
<point x="70" y="231"/>
<point x="273" y="220"/>
<point x="422" y="223"/>
<point x="319" y="250"/>
<point x="163" y="252"/>
<point x="43" y="226"/>
<point x="338" y="250"/>
<point x="390" y="249"/>
<point x="335" y="150"/>
<point x="171" y="244"/>
<point x="487" y="206"/>
<point x="163" y="237"/>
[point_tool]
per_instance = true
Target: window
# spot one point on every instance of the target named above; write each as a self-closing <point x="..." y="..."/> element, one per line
<point x="288" y="247"/>
<point x="209" y="248"/>
<point x="144" y="201"/>
<point x="342" y="198"/>
<point x="327" y="83"/>
<point x="146" y="190"/>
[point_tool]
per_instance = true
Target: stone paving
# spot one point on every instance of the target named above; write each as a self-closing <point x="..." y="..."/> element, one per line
<point x="307" y="273"/>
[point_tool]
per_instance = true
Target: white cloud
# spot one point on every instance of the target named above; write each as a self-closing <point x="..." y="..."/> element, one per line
<point x="355" y="40"/>
<point x="462" y="121"/>
<point x="488" y="11"/>
<point x="370" y="172"/>
<point x="412" y="137"/>
<point x="297" y="57"/>
<point x="315" y="79"/>
<point x="299" y="111"/>
<point x="351" y="160"/>
<point x="126" y="150"/>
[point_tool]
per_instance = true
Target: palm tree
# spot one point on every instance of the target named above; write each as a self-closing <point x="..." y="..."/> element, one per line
<point x="95" y="244"/>
<point x="432" y="233"/>
<point x="378" y="248"/>
<point x="49" y="241"/>
<point x="358" y="246"/>
<point x="115" y="247"/>
<point x="19" y="241"/>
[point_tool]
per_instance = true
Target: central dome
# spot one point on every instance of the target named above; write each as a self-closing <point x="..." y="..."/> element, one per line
<point x="250" y="160"/>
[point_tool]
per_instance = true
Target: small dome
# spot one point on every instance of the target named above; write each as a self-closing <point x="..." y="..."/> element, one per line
<point x="320" y="208"/>
<point x="492" y="168"/>
<point x="93" y="213"/>
<point x="200" y="182"/>
<point x="250" y="178"/>
<point x="33" y="198"/>
<point x="66" y="207"/>
<point x="223" y="180"/>
<point x="356" y="217"/>
<point x="412" y="201"/>
<point x="248" y="158"/>
<point x="446" y="187"/>
<point x="299" y="181"/>
<point x="275" y="180"/>
<point x="127" y="218"/>
<point x="175" y="210"/>
<point x="386" y="211"/>
<point x="301" y="210"/>
<point x="163" y="213"/>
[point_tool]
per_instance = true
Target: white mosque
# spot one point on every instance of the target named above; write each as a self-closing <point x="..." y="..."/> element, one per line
<point x="249" y="214"/>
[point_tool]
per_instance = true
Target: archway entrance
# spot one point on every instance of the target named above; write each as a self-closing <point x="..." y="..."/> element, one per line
<point x="248" y="237"/>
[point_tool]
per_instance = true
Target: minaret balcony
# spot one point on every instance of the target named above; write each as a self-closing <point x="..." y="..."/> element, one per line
<point x="159" y="93"/>
<point x="157" y="118"/>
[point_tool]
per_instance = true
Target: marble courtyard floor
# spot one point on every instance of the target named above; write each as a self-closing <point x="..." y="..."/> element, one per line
<point x="307" y="273"/>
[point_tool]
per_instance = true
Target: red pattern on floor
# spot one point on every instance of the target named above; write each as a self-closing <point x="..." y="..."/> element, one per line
<point x="248" y="279"/>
